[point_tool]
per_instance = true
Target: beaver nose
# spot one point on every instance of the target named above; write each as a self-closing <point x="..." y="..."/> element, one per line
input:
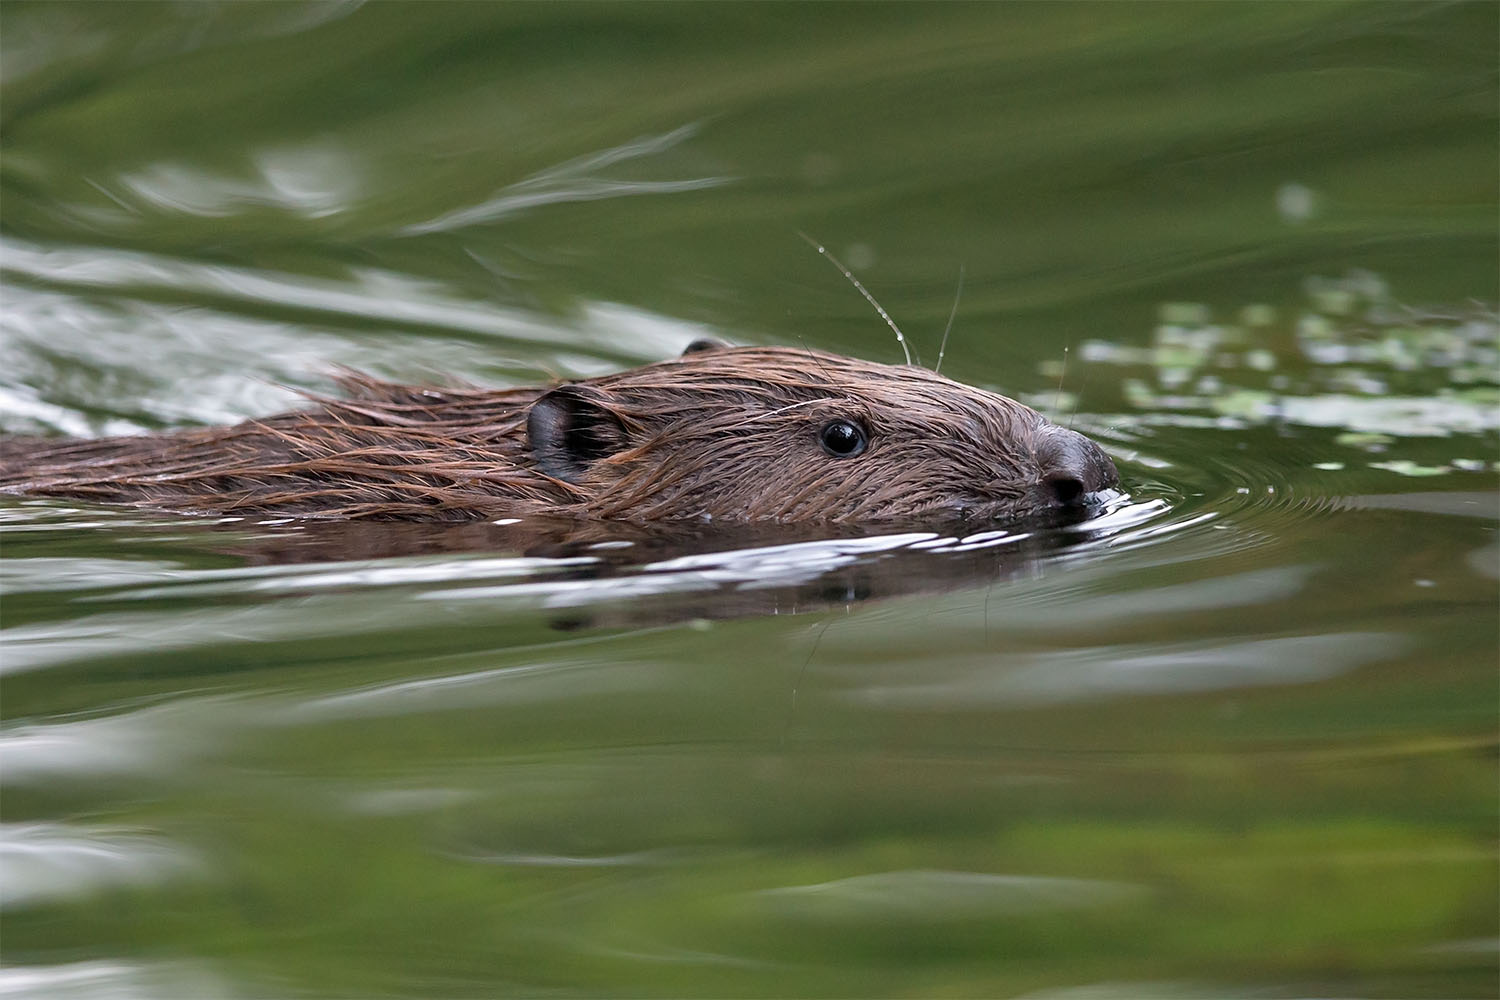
<point x="1070" y="466"/>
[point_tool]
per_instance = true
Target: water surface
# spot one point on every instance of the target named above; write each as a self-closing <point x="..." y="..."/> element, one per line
<point x="1236" y="735"/>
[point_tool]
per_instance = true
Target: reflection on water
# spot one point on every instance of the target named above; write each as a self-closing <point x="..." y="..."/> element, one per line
<point x="926" y="897"/>
<point x="110" y="981"/>
<point x="571" y="182"/>
<point x="1234" y="734"/>
<point x="1113" y="672"/>
<point x="40" y="862"/>
<point x="310" y="182"/>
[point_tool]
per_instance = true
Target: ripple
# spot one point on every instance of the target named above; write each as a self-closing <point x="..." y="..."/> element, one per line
<point x="152" y="741"/>
<point x="340" y="576"/>
<point x="111" y="634"/>
<point x="523" y="683"/>
<point x="921" y="895"/>
<point x="313" y="182"/>
<point x="1159" y="989"/>
<point x="92" y="747"/>
<point x="777" y="565"/>
<point x="406" y="801"/>
<point x="1485" y="506"/>
<point x="41" y="862"/>
<point x="44" y="574"/>
<point x="629" y="575"/>
<point x="1116" y="671"/>
<point x="110" y="980"/>
<point x="210" y="354"/>
<point x="633" y="859"/>
<point x="570" y="182"/>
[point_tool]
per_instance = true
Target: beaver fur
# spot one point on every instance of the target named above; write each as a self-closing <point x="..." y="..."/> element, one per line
<point x="738" y="434"/>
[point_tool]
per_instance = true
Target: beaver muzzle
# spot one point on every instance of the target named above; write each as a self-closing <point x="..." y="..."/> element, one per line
<point x="1070" y="467"/>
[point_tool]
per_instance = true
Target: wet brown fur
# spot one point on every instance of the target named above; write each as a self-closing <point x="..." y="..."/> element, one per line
<point x="729" y="434"/>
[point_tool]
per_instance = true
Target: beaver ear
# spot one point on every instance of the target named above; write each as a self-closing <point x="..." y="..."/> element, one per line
<point x="703" y="344"/>
<point x="570" y="427"/>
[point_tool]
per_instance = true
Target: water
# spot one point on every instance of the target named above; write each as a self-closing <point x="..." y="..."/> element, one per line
<point x="1236" y="736"/>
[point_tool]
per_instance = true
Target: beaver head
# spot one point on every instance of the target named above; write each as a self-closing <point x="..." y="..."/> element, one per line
<point x="759" y="433"/>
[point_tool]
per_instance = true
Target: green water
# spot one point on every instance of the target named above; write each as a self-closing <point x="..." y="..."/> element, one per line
<point x="1236" y="737"/>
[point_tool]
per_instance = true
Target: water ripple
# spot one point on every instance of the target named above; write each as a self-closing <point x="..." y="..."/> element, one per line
<point x="943" y="895"/>
<point x="569" y="182"/>
<point x="313" y="182"/>
<point x="110" y="980"/>
<point x="1114" y="671"/>
<point x="45" y="861"/>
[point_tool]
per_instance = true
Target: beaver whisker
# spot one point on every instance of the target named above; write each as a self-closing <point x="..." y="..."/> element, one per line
<point x="1062" y="373"/>
<point x="900" y="337"/>
<point x="943" y="347"/>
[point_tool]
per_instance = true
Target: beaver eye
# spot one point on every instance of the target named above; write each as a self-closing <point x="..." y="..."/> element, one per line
<point x="842" y="438"/>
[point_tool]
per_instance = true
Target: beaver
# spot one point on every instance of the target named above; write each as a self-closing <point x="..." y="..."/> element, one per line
<point x="718" y="434"/>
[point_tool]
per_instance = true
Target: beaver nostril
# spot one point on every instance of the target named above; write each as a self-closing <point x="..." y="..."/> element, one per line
<point x="1066" y="490"/>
